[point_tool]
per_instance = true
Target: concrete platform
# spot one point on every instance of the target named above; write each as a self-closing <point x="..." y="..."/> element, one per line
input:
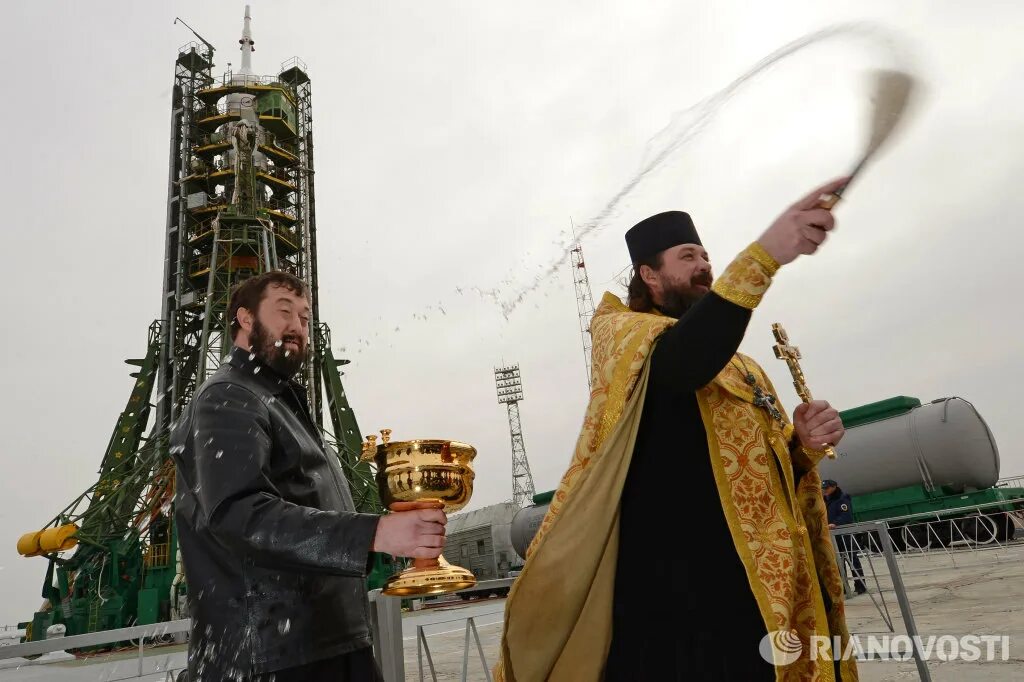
<point x="107" y="668"/>
<point x="952" y="594"/>
<point x="955" y="594"/>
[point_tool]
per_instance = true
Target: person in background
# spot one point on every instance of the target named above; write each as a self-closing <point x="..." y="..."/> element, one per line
<point x="840" y="513"/>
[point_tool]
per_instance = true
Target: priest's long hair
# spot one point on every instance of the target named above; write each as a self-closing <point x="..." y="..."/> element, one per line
<point x="640" y="299"/>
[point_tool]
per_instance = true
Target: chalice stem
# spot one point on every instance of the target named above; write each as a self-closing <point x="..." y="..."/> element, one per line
<point x="439" y="562"/>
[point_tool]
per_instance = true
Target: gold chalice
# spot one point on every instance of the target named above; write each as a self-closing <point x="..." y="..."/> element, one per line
<point x="423" y="474"/>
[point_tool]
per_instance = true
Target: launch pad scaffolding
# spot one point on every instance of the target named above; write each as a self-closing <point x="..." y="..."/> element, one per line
<point x="240" y="202"/>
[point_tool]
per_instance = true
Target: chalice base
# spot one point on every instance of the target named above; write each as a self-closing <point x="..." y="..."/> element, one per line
<point x="428" y="577"/>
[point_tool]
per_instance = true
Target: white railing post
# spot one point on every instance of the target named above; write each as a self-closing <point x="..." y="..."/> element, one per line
<point x="422" y="646"/>
<point x="386" y="624"/>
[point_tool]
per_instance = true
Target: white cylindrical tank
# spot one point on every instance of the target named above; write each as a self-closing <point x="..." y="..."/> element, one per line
<point x="942" y="443"/>
<point x="524" y="526"/>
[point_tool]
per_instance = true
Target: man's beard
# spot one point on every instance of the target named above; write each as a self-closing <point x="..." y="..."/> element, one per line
<point x="680" y="297"/>
<point x="273" y="353"/>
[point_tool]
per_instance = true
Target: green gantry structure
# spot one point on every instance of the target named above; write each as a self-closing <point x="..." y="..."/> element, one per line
<point x="240" y="202"/>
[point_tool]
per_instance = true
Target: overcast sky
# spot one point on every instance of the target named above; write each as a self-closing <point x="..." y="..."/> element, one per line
<point x="454" y="143"/>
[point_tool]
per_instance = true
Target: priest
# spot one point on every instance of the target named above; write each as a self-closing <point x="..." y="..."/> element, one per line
<point x="688" y="538"/>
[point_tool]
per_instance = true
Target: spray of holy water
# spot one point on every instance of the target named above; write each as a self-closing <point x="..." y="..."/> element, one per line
<point x="683" y="127"/>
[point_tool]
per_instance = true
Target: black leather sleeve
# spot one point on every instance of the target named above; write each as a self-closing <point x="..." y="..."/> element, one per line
<point x="696" y="348"/>
<point x="243" y="509"/>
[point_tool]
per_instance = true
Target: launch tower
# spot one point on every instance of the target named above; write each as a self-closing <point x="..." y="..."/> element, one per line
<point x="240" y="202"/>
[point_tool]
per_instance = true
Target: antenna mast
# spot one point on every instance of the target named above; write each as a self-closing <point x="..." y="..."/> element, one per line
<point x="584" y="299"/>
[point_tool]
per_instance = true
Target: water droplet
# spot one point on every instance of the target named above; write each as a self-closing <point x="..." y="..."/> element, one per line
<point x="220" y="453"/>
<point x="207" y="443"/>
<point x="287" y="353"/>
<point x="252" y="356"/>
<point x="284" y="626"/>
<point x="177" y="448"/>
<point x="278" y="343"/>
<point x="256" y="371"/>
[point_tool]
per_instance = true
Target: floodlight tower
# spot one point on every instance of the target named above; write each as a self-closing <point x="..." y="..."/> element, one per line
<point x="510" y="392"/>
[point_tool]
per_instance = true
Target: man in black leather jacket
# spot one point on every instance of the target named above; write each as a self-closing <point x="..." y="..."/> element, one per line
<point x="275" y="554"/>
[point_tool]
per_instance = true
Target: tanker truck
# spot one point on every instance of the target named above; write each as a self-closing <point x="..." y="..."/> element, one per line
<point x="931" y="470"/>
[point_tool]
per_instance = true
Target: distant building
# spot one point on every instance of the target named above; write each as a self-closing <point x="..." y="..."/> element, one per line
<point x="480" y="540"/>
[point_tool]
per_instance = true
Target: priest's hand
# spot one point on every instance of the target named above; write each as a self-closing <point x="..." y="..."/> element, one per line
<point x="817" y="424"/>
<point x="802" y="227"/>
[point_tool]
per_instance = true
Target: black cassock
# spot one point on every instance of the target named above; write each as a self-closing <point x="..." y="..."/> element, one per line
<point x="683" y="608"/>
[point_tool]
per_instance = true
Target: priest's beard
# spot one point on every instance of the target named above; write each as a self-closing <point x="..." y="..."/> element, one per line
<point x="679" y="297"/>
<point x="273" y="352"/>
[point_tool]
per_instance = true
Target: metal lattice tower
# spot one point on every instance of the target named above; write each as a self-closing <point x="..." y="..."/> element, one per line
<point x="239" y="203"/>
<point x="510" y="392"/>
<point x="584" y="301"/>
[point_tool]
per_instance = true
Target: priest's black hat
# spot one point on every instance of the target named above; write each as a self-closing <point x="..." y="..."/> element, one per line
<point x="653" y="235"/>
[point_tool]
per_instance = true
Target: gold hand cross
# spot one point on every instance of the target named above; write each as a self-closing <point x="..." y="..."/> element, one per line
<point x="791" y="354"/>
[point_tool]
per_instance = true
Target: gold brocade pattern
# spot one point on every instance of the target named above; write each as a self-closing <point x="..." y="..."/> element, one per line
<point x="757" y="252"/>
<point x="787" y="540"/>
<point x="767" y="529"/>
<point x="622" y="341"/>
<point x="780" y="533"/>
<point x="811" y="507"/>
<point x="747" y="278"/>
